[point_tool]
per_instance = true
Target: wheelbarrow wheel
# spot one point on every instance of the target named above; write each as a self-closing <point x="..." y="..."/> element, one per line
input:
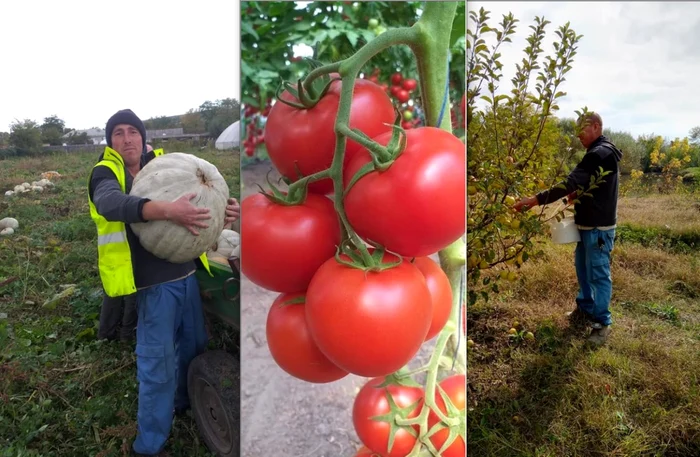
<point x="213" y="382"/>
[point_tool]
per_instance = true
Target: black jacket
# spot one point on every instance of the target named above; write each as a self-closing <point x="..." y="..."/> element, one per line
<point x="601" y="209"/>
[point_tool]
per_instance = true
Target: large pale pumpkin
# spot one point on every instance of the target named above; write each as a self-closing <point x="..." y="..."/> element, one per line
<point x="167" y="178"/>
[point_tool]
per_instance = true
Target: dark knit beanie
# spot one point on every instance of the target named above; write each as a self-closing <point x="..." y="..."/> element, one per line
<point x="125" y="116"/>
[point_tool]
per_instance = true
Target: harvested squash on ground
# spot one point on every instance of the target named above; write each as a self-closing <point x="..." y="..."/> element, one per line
<point x="9" y="222"/>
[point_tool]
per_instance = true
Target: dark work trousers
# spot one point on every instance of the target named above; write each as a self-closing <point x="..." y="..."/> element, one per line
<point x="118" y="318"/>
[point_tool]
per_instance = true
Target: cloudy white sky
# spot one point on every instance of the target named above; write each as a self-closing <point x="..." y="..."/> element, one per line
<point x="84" y="60"/>
<point x="638" y="63"/>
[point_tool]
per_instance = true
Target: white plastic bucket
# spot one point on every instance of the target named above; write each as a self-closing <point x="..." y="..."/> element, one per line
<point x="565" y="231"/>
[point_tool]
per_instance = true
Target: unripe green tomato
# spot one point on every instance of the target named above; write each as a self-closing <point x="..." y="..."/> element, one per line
<point x="407" y="115"/>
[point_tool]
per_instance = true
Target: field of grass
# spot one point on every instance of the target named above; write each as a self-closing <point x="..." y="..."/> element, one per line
<point x="62" y="392"/>
<point x="639" y="395"/>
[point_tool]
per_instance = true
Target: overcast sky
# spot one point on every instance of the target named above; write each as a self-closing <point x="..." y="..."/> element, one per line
<point x="84" y="60"/>
<point x="638" y="64"/>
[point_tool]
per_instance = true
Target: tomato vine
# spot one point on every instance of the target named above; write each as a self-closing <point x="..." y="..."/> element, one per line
<point x="429" y="40"/>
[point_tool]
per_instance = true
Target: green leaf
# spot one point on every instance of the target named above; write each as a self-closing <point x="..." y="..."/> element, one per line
<point x="266" y="74"/>
<point x="246" y="27"/>
<point x="352" y="37"/>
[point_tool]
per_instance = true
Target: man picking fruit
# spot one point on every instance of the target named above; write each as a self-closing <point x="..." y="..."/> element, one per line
<point x="596" y="219"/>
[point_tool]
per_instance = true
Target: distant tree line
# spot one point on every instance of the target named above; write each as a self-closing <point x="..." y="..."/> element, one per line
<point x="29" y="137"/>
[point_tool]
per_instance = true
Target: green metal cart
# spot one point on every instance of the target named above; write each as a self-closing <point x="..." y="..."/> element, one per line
<point x="213" y="377"/>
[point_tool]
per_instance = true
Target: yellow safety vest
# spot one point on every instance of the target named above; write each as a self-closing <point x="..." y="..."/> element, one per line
<point x="114" y="254"/>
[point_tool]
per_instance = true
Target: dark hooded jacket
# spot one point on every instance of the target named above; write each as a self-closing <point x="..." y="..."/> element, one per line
<point x="601" y="209"/>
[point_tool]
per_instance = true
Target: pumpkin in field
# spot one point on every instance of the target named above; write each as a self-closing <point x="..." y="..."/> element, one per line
<point x="167" y="178"/>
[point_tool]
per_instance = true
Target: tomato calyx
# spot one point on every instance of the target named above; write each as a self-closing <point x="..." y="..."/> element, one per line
<point x="307" y="95"/>
<point x="295" y="196"/>
<point x="395" y="415"/>
<point x="364" y="259"/>
<point x="382" y="156"/>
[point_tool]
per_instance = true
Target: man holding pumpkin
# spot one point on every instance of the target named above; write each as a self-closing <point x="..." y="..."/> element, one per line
<point x="170" y="330"/>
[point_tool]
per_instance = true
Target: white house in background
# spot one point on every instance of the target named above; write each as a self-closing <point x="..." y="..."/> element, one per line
<point x="97" y="136"/>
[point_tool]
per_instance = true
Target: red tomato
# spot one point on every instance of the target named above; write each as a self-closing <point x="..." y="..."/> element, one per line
<point x="396" y="79"/>
<point x="409" y="84"/>
<point x="372" y="401"/>
<point x="307" y="136"/>
<point x="455" y="388"/>
<point x="291" y="345"/>
<point x="287" y="244"/>
<point x="395" y="90"/>
<point x="416" y="206"/>
<point x="249" y="151"/>
<point x="403" y="96"/>
<point x="368" y="323"/>
<point x="364" y="451"/>
<point x="407" y="125"/>
<point x="374" y="79"/>
<point x="440" y="292"/>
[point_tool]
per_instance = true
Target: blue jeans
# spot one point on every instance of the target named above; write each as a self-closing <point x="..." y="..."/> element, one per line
<point x="593" y="273"/>
<point x="169" y="334"/>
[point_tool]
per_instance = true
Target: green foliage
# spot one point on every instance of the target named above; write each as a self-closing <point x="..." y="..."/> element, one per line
<point x="210" y="117"/>
<point x="81" y="138"/>
<point x="25" y="136"/>
<point x="659" y="238"/>
<point x="192" y="122"/>
<point x="162" y="123"/>
<point x="219" y="114"/>
<point x="4" y="139"/>
<point x="271" y="30"/>
<point x="691" y="174"/>
<point x="694" y="135"/>
<point x="52" y="130"/>
<point x="632" y="151"/>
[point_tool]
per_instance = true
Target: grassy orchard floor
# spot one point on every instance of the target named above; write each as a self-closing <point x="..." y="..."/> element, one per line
<point x="637" y="396"/>
<point x="62" y="393"/>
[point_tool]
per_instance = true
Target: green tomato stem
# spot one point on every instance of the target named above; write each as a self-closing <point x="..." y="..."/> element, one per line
<point x="296" y="186"/>
<point x="348" y="70"/>
<point x="411" y="373"/>
<point x="324" y="70"/>
<point x="432" y="51"/>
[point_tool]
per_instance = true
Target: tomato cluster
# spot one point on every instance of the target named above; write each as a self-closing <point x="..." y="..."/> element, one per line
<point x="253" y="117"/>
<point x="400" y="90"/>
<point x="333" y="317"/>
<point x="373" y="401"/>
